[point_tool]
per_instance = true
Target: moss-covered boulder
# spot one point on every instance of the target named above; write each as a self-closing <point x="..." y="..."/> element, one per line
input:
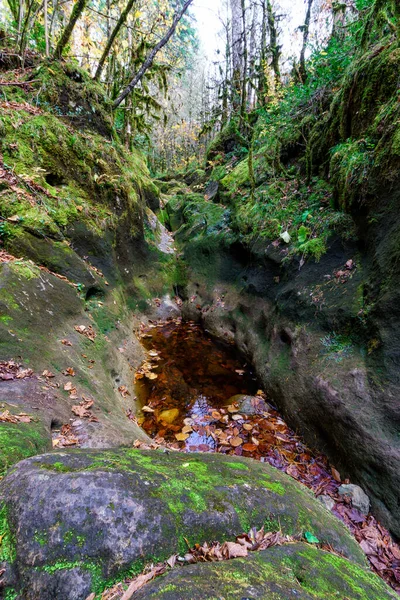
<point x="289" y="572"/>
<point x="228" y="140"/>
<point x="94" y="515"/>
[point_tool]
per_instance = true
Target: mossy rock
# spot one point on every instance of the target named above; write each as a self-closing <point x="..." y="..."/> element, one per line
<point x="122" y="509"/>
<point x="289" y="572"/>
<point x="195" y="177"/>
<point x="56" y="256"/>
<point x="22" y="440"/>
<point x="228" y="140"/>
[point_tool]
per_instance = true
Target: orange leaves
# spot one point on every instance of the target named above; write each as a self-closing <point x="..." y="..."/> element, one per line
<point x="7" y="417"/>
<point x="83" y="409"/>
<point x="236" y="441"/>
<point x="123" y="390"/>
<point x="10" y="370"/>
<point x="69" y="372"/>
<point x="87" y="331"/>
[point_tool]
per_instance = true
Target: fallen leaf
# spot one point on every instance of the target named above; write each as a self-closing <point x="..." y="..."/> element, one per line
<point x="48" y="374"/>
<point x="236" y="441"/>
<point x="233" y="550"/>
<point x="147" y="409"/>
<point x="141" y="580"/>
<point x="87" y="331"/>
<point x="181" y="437"/>
<point x="310" y="537"/>
<point x="69" y="372"/>
<point x="249" y="447"/>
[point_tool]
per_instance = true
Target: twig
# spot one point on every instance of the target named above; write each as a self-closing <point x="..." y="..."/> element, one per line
<point x="18" y="83"/>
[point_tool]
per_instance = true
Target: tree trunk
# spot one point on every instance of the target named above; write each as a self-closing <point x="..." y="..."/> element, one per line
<point x="120" y="23"/>
<point x="306" y="32"/>
<point x="78" y="9"/>
<point x="150" y="58"/>
<point x="245" y="61"/>
<point x="252" y="61"/>
<point x="262" y="81"/>
<point x="274" y="46"/>
<point x="46" y="27"/>
<point x="237" y="53"/>
<point x="339" y="17"/>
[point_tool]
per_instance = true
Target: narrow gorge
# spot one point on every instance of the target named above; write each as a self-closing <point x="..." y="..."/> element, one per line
<point x="199" y="364"/>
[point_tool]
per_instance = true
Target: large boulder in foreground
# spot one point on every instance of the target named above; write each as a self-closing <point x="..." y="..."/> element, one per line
<point x="72" y="521"/>
<point x="289" y="572"/>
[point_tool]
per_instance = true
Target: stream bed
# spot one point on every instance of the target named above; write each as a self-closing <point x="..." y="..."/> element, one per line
<point x="197" y="395"/>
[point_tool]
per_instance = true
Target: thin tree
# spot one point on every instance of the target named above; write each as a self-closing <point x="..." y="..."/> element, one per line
<point x="339" y="18"/>
<point x="306" y="33"/>
<point x="237" y="53"/>
<point x="275" y="48"/>
<point x="150" y="58"/>
<point x="46" y="27"/>
<point x="243" y="101"/>
<point x="78" y="9"/>
<point x="121" y="21"/>
<point x="262" y="81"/>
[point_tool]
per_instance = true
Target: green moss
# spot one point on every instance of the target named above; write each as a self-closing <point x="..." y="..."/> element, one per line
<point x="25" y="270"/>
<point x="41" y="537"/>
<point x="228" y="140"/>
<point x="21" y="440"/>
<point x="237" y="465"/>
<point x="8" y="299"/>
<point x="7" y="541"/>
<point x="237" y="177"/>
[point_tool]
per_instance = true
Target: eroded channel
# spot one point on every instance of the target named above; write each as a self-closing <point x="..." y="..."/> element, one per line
<point x="198" y="395"/>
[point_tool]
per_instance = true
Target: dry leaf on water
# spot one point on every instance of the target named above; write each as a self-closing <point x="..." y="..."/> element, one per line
<point x="236" y="441"/>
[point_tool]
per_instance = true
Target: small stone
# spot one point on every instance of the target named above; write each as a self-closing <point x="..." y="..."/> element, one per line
<point x="359" y="498"/>
<point x="249" y="405"/>
<point x="327" y="501"/>
<point x="169" y="416"/>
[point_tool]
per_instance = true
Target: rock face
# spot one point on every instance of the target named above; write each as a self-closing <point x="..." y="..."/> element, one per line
<point x="323" y="333"/>
<point x="83" y="517"/>
<point x="290" y="572"/>
<point x="324" y="391"/>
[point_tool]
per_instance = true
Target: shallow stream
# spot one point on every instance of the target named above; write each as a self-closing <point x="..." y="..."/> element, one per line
<point x="198" y="395"/>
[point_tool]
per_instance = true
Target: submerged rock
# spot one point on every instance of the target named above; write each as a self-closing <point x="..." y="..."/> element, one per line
<point x="100" y="513"/>
<point x="249" y="405"/>
<point x="289" y="572"/>
<point x="169" y="416"/>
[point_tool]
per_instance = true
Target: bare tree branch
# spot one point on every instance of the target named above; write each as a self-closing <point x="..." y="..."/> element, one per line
<point x="150" y="58"/>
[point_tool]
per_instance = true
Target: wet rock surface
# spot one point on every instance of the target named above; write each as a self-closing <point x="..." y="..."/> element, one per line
<point x="289" y="572"/>
<point x="100" y="513"/>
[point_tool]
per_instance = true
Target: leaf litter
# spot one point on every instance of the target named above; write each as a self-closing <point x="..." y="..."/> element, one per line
<point x="253" y="541"/>
<point x="197" y="377"/>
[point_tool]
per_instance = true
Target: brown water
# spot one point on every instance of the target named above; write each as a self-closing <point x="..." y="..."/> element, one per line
<point x="194" y="375"/>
